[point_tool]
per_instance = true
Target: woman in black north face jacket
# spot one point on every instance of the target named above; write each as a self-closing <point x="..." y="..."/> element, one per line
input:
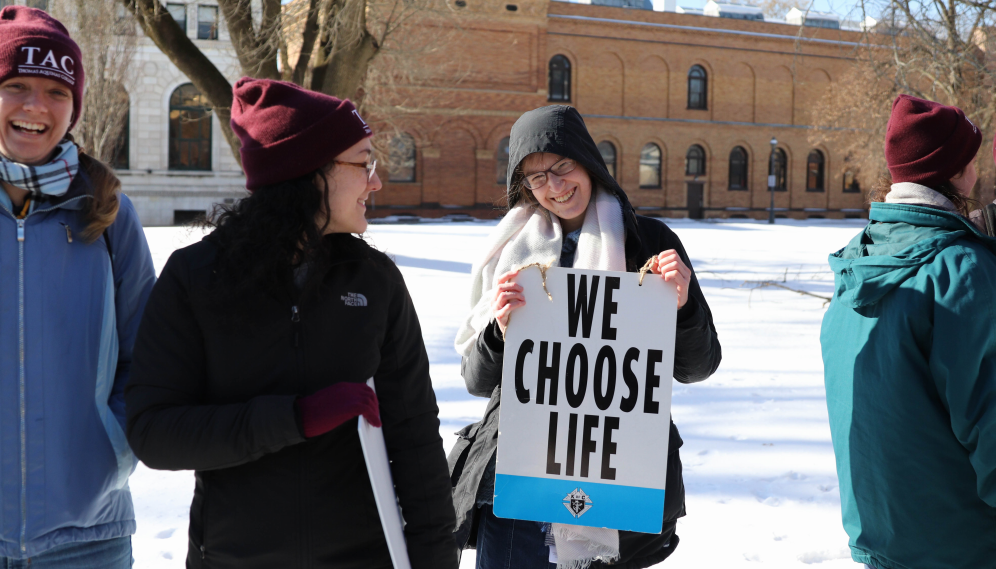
<point x="555" y="172"/>
<point x="252" y="357"/>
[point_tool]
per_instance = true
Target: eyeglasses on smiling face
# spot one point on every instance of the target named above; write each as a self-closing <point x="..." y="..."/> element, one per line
<point x="370" y="166"/>
<point x="537" y="180"/>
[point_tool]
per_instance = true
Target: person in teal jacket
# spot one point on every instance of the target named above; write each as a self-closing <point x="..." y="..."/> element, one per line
<point x="909" y="354"/>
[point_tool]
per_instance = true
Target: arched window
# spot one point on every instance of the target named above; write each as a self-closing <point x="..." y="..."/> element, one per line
<point x="738" y="169"/>
<point x="501" y="162"/>
<point x="119" y="156"/>
<point x="779" y="169"/>
<point x="698" y="84"/>
<point x="695" y="161"/>
<point x="851" y="184"/>
<point x="608" y="152"/>
<point x="401" y="159"/>
<point x="650" y="166"/>
<point x="189" y="129"/>
<point x="814" y="171"/>
<point x="560" y="79"/>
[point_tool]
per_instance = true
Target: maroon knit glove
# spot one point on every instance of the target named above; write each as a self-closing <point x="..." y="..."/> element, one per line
<point x="332" y="406"/>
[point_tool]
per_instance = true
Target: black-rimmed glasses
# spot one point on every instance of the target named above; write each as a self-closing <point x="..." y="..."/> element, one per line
<point x="537" y="180"/>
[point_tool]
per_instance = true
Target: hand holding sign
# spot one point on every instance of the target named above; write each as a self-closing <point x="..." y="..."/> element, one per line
<point x="670" y="266"/>
<point x="586" y="397"/>
<point x="508" y="297"/>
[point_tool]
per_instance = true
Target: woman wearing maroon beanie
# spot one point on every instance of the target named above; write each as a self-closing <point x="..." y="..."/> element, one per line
<point x="252" y="357"/>
<point x="909" y="354"/>
<point x="75" y="271"/>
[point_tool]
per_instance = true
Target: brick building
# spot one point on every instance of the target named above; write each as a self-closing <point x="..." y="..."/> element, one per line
<point x="683" y="108"/>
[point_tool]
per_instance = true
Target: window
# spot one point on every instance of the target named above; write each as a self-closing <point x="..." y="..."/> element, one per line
<point x="189" y="129"/>
<point x="188" y="216"/>
<point x="501" y="162"/>
<point x="695" y="161"/>
<point x="738" y="169"/>
<point x="822" y="23"/>
<point x="560" y="79"/>
<point x="779" y="169"/>
<point x="401" y="159"/>
<point x="736" y="16"/>
<point x="207" y="22"/>
<point x="119" y="159"/>
<point x="179" y="13"/>
<point x="697" y="87"/>
<point x="814" y="171"/>
<point x="851" y="184"/>
<point x="608" y="152"/>
<point x="650" y="166"/>
<point x="40" y="4"/>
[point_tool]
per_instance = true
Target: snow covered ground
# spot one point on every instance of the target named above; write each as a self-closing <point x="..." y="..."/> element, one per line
<point x="758" y="463"/>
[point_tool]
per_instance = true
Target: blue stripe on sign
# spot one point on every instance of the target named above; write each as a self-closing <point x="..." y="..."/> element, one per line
<point x="541" y="499"/>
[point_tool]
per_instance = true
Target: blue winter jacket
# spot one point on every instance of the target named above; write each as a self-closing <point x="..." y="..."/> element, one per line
<point x="909" y="354"/>
<point x="68" y="320"/>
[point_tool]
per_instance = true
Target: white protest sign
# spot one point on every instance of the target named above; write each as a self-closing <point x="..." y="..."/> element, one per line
<point x="379" y="470"/>
<point x="586" y="400"/>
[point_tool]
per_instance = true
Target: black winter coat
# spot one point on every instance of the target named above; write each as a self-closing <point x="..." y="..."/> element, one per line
<point x="697" y="353"/>
<point x="216" y="397"/>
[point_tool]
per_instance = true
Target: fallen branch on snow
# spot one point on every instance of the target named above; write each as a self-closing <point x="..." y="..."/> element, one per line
<point x="762" y="284"/>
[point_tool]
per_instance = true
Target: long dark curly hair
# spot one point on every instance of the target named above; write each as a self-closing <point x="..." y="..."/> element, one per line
<point x="262" y="239"/>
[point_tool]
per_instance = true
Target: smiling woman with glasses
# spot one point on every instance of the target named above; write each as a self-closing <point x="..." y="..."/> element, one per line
<point x="252" y="359"/>
<point x="564" y="204"/>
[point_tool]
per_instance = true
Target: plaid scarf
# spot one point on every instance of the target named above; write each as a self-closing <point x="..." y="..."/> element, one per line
<point x="48" y="180"/>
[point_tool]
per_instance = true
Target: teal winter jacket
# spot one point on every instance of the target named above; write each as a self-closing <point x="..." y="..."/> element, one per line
<point x="909" y="354"/>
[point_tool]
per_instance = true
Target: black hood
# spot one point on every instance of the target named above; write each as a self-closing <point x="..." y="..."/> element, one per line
<point x="559" y="129"/>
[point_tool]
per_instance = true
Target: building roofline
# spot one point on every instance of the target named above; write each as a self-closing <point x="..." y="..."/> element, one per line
<point x="703" y="29"/>
<point x="724" y="123"/>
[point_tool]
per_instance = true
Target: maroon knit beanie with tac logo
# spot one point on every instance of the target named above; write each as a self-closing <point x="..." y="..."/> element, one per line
<point x="287" y="132"/>
<point x="927" y="143"/>
<point x="34" y="44"/>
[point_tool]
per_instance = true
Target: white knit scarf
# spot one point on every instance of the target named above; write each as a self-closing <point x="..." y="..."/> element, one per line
<point x="529" y="234"/>
<point x="916" y="194"/>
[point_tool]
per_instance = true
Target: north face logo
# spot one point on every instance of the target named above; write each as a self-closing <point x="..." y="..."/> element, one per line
<point x="354" y="299"/>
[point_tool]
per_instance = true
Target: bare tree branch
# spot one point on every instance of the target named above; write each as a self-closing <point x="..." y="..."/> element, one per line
<point x="163" y="30"/>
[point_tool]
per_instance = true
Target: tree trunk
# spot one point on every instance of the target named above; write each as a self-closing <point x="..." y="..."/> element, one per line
<point x="308" y="36"/>
<point x="343" y="74"/>
<point x="256" y="50"/>
<point x="163" y="30"/>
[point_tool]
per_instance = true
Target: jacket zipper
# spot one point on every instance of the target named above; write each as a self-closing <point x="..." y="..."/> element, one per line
<point x="296" y="323"/>
<point x="21" y="387"/>
<point x="21" y="373"/>
<point x="296" y="319"/>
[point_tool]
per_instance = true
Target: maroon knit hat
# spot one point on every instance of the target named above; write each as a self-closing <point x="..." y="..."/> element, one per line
<point x="927" y="143"/>
<point x="34" y="44"/>
<point x="287" y="131"/>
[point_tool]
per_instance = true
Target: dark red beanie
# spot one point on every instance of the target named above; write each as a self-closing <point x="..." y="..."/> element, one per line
<point x="34" y="44"/>
<point x="287" y="131"/>
<point x="927" y="143"/>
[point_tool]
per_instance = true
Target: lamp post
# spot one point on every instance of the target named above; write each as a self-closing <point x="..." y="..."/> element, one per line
<point x="772" y="180"/>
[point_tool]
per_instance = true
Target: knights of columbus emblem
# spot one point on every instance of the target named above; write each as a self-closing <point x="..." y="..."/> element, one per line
<point x="577" y="502"/>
